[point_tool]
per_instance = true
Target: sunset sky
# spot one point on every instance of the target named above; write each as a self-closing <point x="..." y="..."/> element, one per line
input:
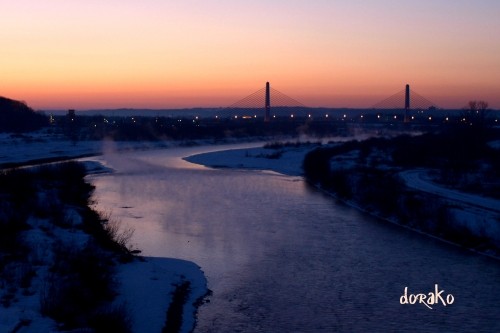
<point x="84" y="54"/>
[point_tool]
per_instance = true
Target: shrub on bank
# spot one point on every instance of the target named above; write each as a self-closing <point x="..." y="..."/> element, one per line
<point x="80" y="280"/>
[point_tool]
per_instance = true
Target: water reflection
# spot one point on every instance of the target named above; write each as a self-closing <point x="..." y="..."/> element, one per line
<point x="281" y="257"/>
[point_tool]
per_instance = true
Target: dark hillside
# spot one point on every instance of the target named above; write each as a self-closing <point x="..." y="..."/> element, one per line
<point x="16" y="116"/>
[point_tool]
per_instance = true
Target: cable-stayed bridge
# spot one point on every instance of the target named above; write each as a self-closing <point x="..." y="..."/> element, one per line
<point x="265" y="103"/>
<point x="405" y="101"/>
<point x="268" y="103"/>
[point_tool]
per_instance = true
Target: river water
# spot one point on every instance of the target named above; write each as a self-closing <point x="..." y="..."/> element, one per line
<point x="281" y="256"/>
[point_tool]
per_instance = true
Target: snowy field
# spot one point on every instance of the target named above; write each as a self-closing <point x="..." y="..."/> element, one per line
<point x="30" y="148"/>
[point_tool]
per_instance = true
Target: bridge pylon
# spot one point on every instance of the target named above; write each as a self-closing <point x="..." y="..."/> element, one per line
<point x="267" y="116"/>
<point x="407" y="104"/>
<point x="258" y="105"/>
<point x="405" y="101"/>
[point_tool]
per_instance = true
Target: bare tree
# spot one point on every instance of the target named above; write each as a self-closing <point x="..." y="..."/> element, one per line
<point x="476" y="112"/>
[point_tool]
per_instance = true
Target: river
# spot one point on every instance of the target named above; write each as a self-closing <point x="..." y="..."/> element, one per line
<point x="281" y="256"/>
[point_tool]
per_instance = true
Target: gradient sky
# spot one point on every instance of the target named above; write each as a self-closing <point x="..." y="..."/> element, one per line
<point x="60" y="54"/>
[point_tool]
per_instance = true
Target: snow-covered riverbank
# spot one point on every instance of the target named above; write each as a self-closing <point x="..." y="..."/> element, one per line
<point x="145" y="287"/>
<point x="286" y="160"/>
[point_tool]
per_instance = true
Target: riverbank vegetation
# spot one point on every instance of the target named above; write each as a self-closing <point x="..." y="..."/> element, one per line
<point x="55" y="250"/>
<point x="366" y="174"/>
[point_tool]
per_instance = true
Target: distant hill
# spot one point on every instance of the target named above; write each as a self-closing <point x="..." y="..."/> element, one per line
<point x="16" y="116"/>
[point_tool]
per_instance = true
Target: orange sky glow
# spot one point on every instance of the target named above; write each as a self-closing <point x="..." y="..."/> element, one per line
<point x="94" y="54"/>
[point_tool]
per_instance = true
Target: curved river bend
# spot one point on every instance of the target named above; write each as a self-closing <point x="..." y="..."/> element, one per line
<point x="281" y="257"/>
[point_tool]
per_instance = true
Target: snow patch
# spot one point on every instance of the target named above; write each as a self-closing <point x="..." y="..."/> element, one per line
<point x="147" y="287"/>
<point x="286" y="160"/>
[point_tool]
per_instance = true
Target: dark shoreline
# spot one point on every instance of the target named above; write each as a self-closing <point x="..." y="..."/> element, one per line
<point x="366" y="175"/>
<point x="373" y="214"/>
<point x="42" y="161"/>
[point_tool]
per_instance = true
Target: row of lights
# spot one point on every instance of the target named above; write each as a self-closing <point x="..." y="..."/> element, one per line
<point x="310" y="116"/>
<point x="344" y="116"/>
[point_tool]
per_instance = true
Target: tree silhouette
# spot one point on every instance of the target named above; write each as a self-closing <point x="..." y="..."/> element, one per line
<point x="476" y="112"/>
